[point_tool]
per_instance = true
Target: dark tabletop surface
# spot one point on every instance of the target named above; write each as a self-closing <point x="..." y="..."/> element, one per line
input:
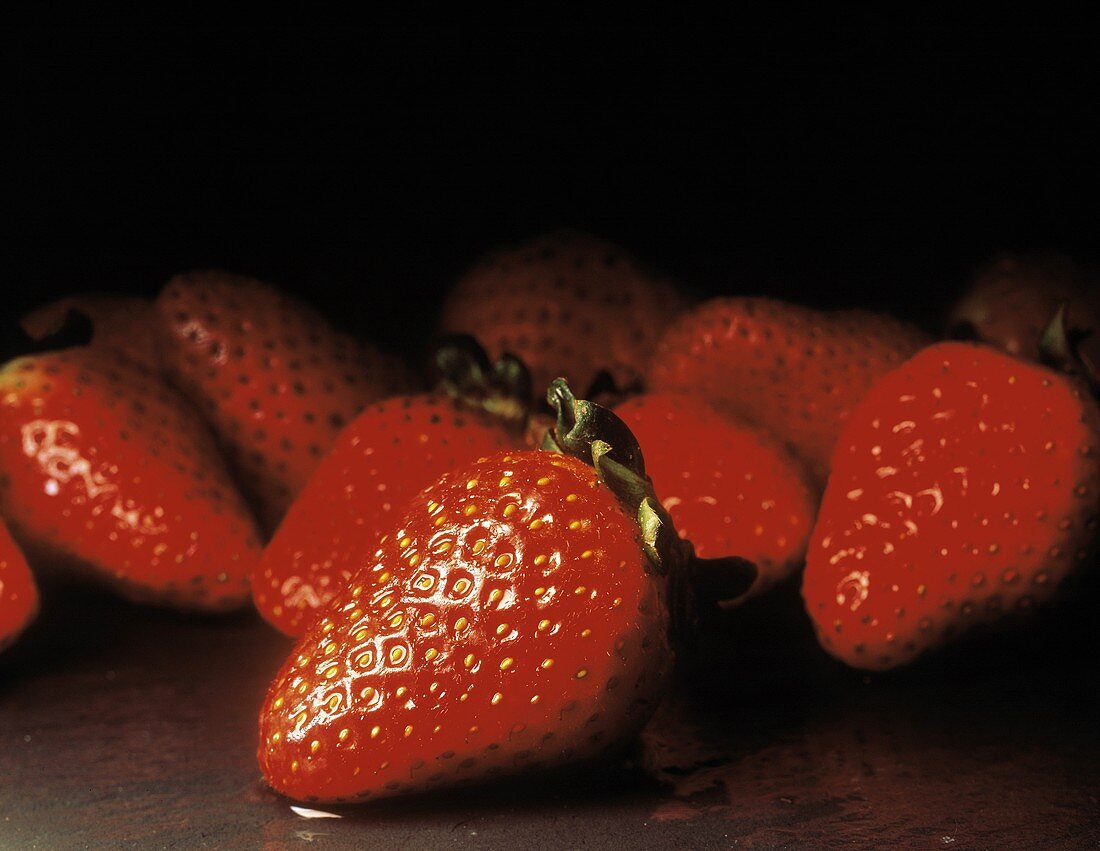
<point x="127" y="727"/>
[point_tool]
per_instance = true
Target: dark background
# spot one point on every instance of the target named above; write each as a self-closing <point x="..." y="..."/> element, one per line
<point x="861" y="164"/>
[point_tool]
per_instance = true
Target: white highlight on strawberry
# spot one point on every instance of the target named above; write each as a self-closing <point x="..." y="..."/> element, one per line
<point x="858" y="584"/>
<point x="53" y="444"/>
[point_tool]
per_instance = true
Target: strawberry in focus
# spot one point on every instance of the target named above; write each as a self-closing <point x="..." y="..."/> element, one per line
<point x="964" y="487"/>
<point x="796" y="371"/>
<point x="731" y="489"/>
<point x="567" y="304"/>
<point x="275" y="380"/>
<point x="515" y="616"/>
<point x="105" y="466"/>
<point x="18" y="592"/>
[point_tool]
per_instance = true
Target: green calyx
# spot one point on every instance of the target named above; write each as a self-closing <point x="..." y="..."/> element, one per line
<point x="1060" y="348"/>
<point x="597" y="436"/>
<point x="501" y="388"/>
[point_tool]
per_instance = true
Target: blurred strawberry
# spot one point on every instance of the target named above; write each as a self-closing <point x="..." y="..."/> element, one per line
<point x="568" y="305"/>
<point x="796" y="371"/>
<point x="1013" y="299"/>
<point x="272" y="376"/>
<point x="106" y="466"/>
<point x="731" y="489"/>
<point x="18" y="592"/>
<point x="126" y="324"/>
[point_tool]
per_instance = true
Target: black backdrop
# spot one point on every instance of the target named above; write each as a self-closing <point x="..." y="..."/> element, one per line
<point x="365" y="169"/>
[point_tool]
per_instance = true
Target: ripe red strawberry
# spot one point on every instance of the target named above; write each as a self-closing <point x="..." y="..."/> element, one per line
<point x="1012" y="300"/>
<point x="568" y="305"/>
<point x="388" y="453"/>
<point x="731" y="489"/>
<point x="125" y="324"/>
<point x="18" y="593"/>
<point x="514" y="616"/>
<point x="796" y="371"/>
<point x="106" y="466"/>
<point x="276" y="381"/>
<point x="964" y="486"/>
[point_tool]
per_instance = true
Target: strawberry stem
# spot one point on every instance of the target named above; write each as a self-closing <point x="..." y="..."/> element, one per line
<point x="597" y="436"/>
<point x="501" y="388"/>
<point x="580" y="423"/>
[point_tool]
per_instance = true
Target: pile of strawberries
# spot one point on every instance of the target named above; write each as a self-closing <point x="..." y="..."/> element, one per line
<point x="496" y="574"/>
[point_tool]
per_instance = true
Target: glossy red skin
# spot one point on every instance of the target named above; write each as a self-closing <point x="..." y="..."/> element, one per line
<point x="456" y="685"/>
<point x="388" y="453"/>
<point x="1011" y="302"/>
<point x="18" y="592"/>
<point x="106" y="466"/>
<point x="796" y="371"/>
<point x="126" y="324"/>
<point x="731" y="490"/>
<point x="964" y="486"/>
<point x="272" y="376"/>
<point x="568" y="305"/>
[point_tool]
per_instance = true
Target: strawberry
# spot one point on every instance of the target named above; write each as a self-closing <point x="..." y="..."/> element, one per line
<point x="796" y="371"/>
<point x="566" y="304"/>
<point x="106" y="466"/>
<point x="964" y="486"/>
<point x="126" y="324"/>
<point x="18" y="593"/>
<point x="276" y="381"/>
<point x="1012" y="300"/>
<point x="513" y="616"/>
<point x="730" y="488"/>
<point x="385" y="456"/>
